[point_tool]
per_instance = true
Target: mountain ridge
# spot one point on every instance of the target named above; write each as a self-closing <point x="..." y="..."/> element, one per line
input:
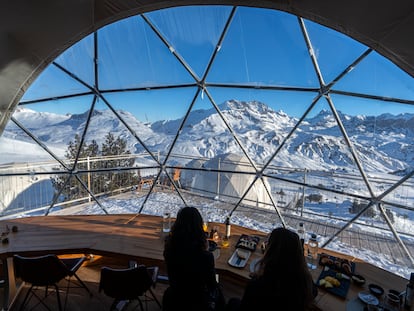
<point x="382" y="142"/>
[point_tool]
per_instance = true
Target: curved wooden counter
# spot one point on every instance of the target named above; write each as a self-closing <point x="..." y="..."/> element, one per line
<point x="142" y="239"/>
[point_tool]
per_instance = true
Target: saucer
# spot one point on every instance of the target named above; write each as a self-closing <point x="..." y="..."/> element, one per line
<point x="368" y="298"/>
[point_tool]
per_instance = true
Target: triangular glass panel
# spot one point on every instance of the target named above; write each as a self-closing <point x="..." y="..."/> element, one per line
<point x="370" y="238"/>
<point x="109" y="131"/>
<point x="156" y="115"/>
<point x="27" y="195"/>
<point x="261" y="119"/>
<point x="206" y="136"/>
<point x="399" y="192"/>
<point x="333" y="50"/>
<point x="309" y="205"/>
<point x="317" y="154"/>
<point x="243" y="51"/>
<point x="192" y="31"/>
<point x="87" y="192"/>
<point x="323" y="206"/>
<point x="53" y="124"/>
<point x="34" y="144"/>
<point x="52" y="83"/>
<point x="377" y="76"/>
<point x="79" y="60"/>
<point x="381" y="136"/>
<point x="264" y="219"/>
<point x="132" y="56"/>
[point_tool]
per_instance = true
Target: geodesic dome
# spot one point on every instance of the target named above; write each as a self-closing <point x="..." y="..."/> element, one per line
<point x="230" y="185"/>
<point x="320" y="118"/>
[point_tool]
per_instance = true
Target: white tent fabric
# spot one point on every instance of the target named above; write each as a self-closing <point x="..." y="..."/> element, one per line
<point x="231" y="182"/>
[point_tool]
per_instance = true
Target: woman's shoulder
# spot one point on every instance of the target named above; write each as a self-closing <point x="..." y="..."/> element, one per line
<point x="204" y="255"/>
<point x="257" y="283"/>
<point x="265" y="286"/>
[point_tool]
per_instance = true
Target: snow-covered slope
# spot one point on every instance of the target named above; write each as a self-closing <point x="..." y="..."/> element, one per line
<point x="384" y="143"/>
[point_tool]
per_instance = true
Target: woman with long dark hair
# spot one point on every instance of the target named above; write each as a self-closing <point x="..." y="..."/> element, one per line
<point x="190" y="266"/>
<point x="281" y="280"/>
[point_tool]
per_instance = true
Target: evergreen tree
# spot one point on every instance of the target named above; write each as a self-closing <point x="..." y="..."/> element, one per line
<point x="92" y="151"/>
<point x="99" y="183"/>
<point x="73" y="189"/>
<point x="357" y="206"/>
<point x="117" y="147"/>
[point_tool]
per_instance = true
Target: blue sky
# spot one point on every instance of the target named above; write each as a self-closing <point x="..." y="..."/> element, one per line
<point x="261" y="48"/>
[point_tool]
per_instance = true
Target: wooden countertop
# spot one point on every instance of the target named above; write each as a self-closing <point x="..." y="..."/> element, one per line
<point x="141" y="237"/>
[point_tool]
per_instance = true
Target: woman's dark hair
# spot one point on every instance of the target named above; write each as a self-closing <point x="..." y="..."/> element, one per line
<point x="284" y="265"/>
<point x="187" y="231"/>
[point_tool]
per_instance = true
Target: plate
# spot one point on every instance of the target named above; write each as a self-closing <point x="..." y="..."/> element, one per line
<point x="239" y="261"/>
<point x="358" y="279"/>
<point x="339" y="264"/>
<point x="368" y="298"/>
<point x="344" y="283"/>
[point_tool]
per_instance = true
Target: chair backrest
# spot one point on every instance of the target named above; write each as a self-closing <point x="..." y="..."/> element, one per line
<point x="176" y="174"/>
<point x="40" y="271"/>
<point x="128" y="283"/>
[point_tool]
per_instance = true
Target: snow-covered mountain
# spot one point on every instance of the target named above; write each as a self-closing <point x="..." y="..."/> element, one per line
<point x="384" y="142"/>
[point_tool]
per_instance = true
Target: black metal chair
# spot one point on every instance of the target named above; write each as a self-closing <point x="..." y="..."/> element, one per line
<point x="43" y="271"/>
<point x="46" y="271"/>
<point x="127" y="284"/>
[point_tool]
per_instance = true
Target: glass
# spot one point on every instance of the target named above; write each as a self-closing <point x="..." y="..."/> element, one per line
<point x="166" y="222"/>
<point x="215" y="236"/>
<point x="313" y="248"/>
<point x="392" y="302"/>
<point x="301" y="233"/>
<point x="205" y="215"/>
<point x="225" y="242"/>
<point x="205" y="226"/>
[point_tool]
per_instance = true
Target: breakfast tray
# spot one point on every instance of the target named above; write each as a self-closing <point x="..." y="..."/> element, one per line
<point x="338" y="268"/>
